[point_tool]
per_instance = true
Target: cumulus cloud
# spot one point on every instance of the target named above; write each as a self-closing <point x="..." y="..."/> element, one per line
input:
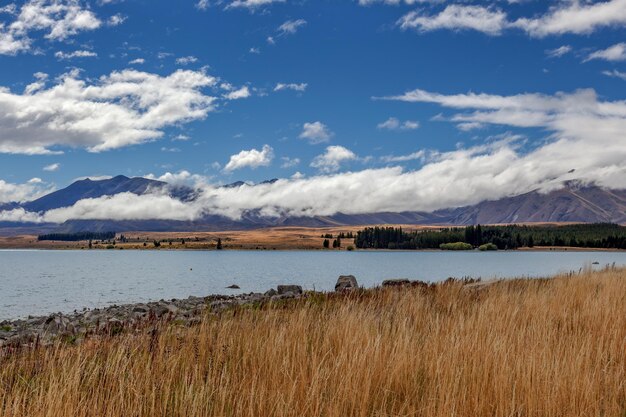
<point x="182" y="177"/>
<point x="52" y="167"/>
<point x="74" y="54"/>
<point x="331" y="160"/>
<point x="315" y="132"/>
<point x="576" y="18"/>
<point x="137" y="61"/>
<point x="586" y="134"/>
<point x="123" y="108"/>
<point x="59" y="19"/>
<point x="116" y="20"/>
<point x="289" y="162"/>
<point x="616" y="52"/>
<point x="252" y="158"/>
<point x="32" y="189"/>
<point x="127" y="206"/>
<point x="186" y="60"/>
<point x="243" y="92"/>
<point x="457" y="17"/>
<point x="300" y="87"/>
<point x="395" y="124"/>
<point x="567" y="17"/>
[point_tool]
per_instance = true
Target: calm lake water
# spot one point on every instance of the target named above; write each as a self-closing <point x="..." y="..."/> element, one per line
<point x="42" y="282"/>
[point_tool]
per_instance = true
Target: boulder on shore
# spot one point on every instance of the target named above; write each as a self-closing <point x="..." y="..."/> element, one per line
<point x="289" y="289"/>
<point x="396" y="282"/>
<point x="346" y="283"/>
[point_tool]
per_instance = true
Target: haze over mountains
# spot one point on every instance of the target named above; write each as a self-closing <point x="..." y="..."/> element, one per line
<point x="572" y="203"/>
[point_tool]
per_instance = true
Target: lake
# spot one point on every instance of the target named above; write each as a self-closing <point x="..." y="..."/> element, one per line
<point x="35" y="282"/>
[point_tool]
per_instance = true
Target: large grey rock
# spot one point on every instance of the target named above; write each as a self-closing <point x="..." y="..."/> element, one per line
<point x="58" y="324"/>
<point x="289" y="289"/>
<point x="346" y="283"/>
<point x="396" y="282"/>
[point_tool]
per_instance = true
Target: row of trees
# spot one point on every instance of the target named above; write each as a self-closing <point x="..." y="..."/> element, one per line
<point x="598" y="235"/>
<point x="75" y="237"/>
<point x="336" y="243"/>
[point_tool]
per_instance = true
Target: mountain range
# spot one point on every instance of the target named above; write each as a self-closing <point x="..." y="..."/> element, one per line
<point x="572" y="203"/>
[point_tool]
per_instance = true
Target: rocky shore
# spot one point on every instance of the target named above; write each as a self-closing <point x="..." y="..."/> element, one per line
<point x="76" y="326"/>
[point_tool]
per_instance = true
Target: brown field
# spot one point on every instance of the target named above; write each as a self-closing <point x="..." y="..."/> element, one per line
<point x="271" y="238"/>
<point x="279" y="238"/>
<point x="518" y="348"/>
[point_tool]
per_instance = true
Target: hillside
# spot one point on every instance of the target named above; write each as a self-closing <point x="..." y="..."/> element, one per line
<point x="572" y="203"/>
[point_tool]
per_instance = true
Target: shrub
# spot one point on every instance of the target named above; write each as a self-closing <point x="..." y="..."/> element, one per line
<point x="456" y="246"/>
<point x="350" y="248"/>
<point x="487" y="246"/>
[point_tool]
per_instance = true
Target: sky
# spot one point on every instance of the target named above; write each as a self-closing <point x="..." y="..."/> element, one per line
<point x="355" y="105"/>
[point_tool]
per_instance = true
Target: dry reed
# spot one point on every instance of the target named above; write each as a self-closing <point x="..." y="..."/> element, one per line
<point x="521" y="348"/>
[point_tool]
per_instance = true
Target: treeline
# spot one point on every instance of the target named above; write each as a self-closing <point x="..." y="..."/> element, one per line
<point x="597" y="235"/>
<point x="75" y="237"/>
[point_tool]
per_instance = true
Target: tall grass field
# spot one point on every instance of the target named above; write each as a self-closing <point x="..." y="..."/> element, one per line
<point x="536" y="347"/>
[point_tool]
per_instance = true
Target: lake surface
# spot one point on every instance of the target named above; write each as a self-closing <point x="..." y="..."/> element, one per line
<point x="41" y="282"/>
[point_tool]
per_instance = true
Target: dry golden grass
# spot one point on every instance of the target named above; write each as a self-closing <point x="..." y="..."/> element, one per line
<point x="521" y="348"/>
<point x="280" y="238"/>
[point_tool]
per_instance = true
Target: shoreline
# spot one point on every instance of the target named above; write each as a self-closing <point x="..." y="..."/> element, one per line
<point x="81" y="324"/>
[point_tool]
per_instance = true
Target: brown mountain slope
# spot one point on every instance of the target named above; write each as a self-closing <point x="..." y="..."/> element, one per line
<point x="570" y="204"/>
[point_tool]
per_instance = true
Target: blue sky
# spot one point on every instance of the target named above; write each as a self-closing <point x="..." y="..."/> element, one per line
<point x="308" y="88"/>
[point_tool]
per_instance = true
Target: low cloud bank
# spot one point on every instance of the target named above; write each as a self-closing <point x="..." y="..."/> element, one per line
<point x="586" y="143"/>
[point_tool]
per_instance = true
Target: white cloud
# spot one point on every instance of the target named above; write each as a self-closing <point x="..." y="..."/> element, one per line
<point x="457" y="17"/>
<point x="116" y="20"/>
<point x="397" y="2"/>
<point x="186" y="60"/>
<point x="419" y="155"/>
<point x="181" y="137"/>
<point x="252" y="158"/>
<point x="559" y="52"/>
<point x="203" y="4"/>
<point x="315" y="132"/>
<point x="615" y="74"/>
<point x="120" y="109"/>
<point x="19" y="215"/>
<point x="289" y="162"/>
<point x="137" y="61"/>
<point x="60" y="19"/>
<point x="255" y="51"/>
<point x="616" y="52"/>
<point x="331" y="160"/>
<point x="290" y="27"/>
<point x="52" y="167"/>
<point x="301" y="87"/>
<point x="251" y="4"/>
<point x="575" y="17"/>
<point x="586" y="134"/>
<point x="467" y="126"/>
<point x="395" y="124"/>
<point x="75" y="54"/>
<point x="243" y="92"/>
<point x="126" y="206"/>
<point x="183" y="177"/>
<point x="566" y="17"/>
<point x="32" y="189"/>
